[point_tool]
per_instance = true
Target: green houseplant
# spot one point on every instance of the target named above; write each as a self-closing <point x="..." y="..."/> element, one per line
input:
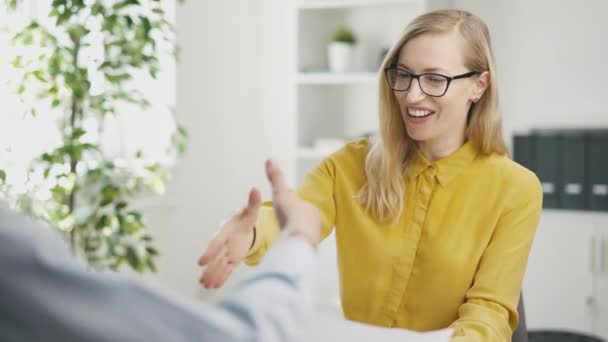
<point x="345" y="35"/>
<point x="81" y="63"/>
<point x="340" y="50"/>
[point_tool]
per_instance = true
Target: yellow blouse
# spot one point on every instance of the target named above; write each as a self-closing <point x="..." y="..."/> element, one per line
<point x="456" y="257"/>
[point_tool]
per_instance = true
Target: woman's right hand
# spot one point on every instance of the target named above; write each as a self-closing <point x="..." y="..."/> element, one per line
<point x="231" y="245"/>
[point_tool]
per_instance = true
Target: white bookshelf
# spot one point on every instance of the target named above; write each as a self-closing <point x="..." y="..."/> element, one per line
<point x="339" y="106"/>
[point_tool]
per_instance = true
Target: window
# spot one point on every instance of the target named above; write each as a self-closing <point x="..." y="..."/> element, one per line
<point x="24" y="136"/>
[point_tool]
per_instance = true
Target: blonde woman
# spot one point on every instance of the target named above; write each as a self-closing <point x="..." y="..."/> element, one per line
<point x="434" y="222"/>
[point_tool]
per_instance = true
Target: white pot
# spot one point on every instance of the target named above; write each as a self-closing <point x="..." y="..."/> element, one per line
<point x="340" y="56"/>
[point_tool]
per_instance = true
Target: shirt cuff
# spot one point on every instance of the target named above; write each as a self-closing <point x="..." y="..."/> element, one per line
<point x="265" y="225"/>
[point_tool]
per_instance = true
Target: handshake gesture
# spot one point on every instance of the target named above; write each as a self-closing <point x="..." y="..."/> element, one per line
<point x="235" y="237"/>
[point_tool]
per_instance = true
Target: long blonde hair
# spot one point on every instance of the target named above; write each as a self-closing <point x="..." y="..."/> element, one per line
<point x="387" y="160"/>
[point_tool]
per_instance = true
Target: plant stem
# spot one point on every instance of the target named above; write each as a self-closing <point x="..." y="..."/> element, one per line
<point x="73" y="160"/>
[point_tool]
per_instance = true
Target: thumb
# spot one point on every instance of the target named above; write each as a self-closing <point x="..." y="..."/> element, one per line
<point x="250" y="212"/>
<point x="281" y="198"/>
<point x="275" y="176"/>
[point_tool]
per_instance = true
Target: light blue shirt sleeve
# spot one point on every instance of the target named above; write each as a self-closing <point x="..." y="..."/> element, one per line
<point x="46" y="295"/>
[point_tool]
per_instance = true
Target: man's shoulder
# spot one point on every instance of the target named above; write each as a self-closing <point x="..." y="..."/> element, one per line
<point x="22" y="235"/>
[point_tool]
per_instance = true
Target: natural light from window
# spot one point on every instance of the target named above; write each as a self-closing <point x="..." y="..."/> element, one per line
<point x="25" y="135"/>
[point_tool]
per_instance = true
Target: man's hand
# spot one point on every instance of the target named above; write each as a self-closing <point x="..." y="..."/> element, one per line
<point x="298" y="217"/>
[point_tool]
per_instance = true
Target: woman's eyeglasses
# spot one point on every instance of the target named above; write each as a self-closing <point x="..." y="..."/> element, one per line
<point x="431" y="84"/>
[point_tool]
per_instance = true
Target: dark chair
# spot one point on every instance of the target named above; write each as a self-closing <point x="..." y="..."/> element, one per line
<point x="560" y="336"/>
<point x="521" y="333"/>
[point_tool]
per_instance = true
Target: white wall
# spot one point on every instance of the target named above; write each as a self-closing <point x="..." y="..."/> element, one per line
<point x="227" y="99"/>
<point x="551" y="60"/>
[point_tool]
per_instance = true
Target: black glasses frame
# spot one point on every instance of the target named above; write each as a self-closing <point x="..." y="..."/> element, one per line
<point x="417" y="78"/>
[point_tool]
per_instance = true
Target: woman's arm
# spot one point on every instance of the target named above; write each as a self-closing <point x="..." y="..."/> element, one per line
<point x="490" y="310"/>
<point x="317" y="189"/>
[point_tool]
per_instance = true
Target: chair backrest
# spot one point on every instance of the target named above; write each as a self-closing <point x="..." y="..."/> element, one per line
<point x="521" y="333"/>
<point x="560" y="336"/>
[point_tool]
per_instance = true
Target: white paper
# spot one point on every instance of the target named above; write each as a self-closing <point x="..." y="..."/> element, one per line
<point x="322" y="329"/>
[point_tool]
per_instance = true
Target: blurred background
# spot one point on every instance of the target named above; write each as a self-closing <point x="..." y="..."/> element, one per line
<point x="295" y="79"/>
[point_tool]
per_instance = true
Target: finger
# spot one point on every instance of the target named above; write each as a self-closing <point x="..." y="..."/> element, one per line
<point x="253" y="204"/>
<point x="215" y="281"/>
<point x="222" y="278"/>
<point x="277" y="181"/>
<point x="209" y="270"/>
<point x="212" y="249"/>
<point x="209" y="276"/>
<point x="215" y="269"/>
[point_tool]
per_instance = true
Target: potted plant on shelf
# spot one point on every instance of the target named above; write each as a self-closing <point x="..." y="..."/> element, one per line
<point x="340" y="50"/>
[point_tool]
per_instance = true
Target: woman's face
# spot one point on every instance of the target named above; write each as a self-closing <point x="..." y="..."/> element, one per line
<point x="437" y="120"/>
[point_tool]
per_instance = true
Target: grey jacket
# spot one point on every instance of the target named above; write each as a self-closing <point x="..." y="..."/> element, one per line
<point x="46" y="295"/>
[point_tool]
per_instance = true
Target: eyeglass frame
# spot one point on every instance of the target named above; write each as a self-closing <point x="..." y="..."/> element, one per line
<point x="417" y="78"/>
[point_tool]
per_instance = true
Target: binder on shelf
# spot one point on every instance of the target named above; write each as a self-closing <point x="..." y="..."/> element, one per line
<point x="597" y="153"/>
<point x="522" y="151"/>
<point x="573" y="170"/>
<point x="546" y="165"/>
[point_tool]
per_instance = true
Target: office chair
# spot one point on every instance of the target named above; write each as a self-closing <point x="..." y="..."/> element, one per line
<point x="521" y="333"/>
<point x="561" y="336"/>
